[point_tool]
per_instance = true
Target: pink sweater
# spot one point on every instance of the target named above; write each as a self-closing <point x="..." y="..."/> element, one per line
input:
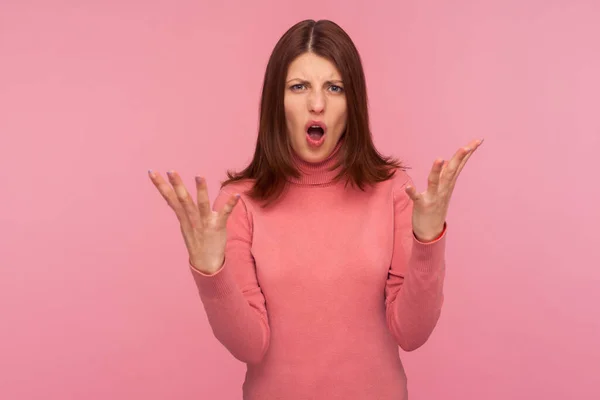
<point x="317" y="293"/>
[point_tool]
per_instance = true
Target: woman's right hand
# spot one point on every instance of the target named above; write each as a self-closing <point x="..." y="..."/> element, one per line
<point x="204" y="230"/>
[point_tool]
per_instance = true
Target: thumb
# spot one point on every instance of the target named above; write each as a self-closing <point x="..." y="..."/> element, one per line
<point x="412" y="193"/>
<point x="227" y="209"/>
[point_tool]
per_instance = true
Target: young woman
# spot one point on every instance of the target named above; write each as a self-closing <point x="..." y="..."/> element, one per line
<point x="320" y="259"/>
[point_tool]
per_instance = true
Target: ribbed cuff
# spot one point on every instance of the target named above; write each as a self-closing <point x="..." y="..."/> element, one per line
<point x="216" y="286"/>
<point x="436" y="239"/>
<point x="430" y="256"/>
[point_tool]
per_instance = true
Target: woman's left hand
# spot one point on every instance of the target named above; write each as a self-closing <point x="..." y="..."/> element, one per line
<point x="431" y="207"/>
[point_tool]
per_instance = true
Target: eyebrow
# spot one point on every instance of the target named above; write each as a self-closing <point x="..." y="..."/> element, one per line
<point x="305" y="81"/>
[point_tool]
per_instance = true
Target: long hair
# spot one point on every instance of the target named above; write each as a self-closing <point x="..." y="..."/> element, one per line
<point x="361" y="164"/>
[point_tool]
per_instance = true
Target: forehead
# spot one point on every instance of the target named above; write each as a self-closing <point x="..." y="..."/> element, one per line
<point x="310" y="66"/>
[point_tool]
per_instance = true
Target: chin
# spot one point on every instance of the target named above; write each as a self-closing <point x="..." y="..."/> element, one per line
<point x="316" y="155"/>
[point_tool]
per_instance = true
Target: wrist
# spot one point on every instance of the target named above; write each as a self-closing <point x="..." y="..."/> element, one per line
<point x="428" y="238"/>
<point x="201" y="267"/>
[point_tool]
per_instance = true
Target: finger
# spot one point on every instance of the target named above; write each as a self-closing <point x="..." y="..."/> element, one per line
<point x="202" y="197"/>
<point x="433" y="180"/>
<point x="227" y="209"/>
<point x="462" y="164"/>
<point x="184" y="198"/>
<point x="450" y="171"/>
<point x="457" y="159"/>
<point x="169" y="195"/>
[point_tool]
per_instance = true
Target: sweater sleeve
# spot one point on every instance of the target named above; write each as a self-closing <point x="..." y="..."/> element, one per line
<point x="414" y="287"/>
<point x="232" y="298"/>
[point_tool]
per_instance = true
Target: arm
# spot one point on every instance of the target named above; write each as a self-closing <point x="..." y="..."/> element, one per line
<point x="232" y="298"/>
<point x="414" y="288"/>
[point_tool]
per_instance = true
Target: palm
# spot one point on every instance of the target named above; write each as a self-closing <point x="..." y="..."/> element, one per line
<point x="203" y="230"/>
<point x="430" y="207"/>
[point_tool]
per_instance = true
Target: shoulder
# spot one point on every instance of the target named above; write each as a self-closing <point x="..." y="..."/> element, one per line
<point x="399" y="181"/>
<point x="240" y="220"/>
<point x="241" y="187"/>
<point x="238" y="187"/>
<point x="393" y="188"/>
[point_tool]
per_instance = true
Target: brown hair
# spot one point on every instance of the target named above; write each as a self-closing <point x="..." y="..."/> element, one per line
<point x="272" y="163"/>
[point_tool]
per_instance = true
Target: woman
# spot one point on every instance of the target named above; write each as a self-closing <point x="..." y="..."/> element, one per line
<point x="320" y="258"/>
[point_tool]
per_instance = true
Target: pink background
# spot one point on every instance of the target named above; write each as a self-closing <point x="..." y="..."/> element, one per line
<point x="96" y="300"/>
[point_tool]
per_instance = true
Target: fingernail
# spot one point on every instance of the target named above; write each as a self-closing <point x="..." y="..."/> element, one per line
<point x="169" y="172"/>
<point x="199" y="179"/>
<point x="151" y="173"/>
<point x="237" y="196"/>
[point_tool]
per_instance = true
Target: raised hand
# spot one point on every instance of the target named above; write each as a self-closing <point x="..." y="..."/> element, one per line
<point x="431" y="207"/>
<point x="203" y="230"/>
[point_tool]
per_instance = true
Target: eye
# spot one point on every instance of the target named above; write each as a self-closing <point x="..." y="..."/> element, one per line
<point x="297" y="86"/>
<point x="336" y="88"/>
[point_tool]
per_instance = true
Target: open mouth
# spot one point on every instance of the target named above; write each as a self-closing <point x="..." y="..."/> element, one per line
<point x="315" y="132"/>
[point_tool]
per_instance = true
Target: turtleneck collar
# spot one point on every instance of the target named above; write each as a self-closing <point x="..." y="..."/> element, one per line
<point x="318" y="173"/>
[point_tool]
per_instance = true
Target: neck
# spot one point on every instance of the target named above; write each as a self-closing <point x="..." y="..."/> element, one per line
<point x="318" y="173"/>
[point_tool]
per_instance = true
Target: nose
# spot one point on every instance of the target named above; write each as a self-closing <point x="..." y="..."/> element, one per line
<point x="316" y="102"/>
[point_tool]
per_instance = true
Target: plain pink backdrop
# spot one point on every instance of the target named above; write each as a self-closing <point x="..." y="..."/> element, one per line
<point x="96" y="299"/>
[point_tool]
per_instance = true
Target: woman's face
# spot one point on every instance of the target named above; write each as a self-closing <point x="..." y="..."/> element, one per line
<point x="315" y="106"/>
